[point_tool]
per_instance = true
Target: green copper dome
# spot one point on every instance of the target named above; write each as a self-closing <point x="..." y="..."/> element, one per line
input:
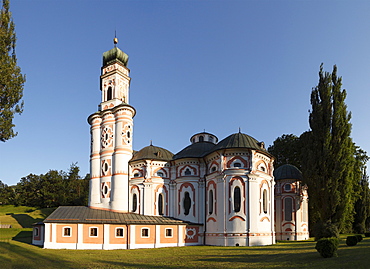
<point x="240" y="140"/>
<point x="287" y="171"/>
<point x="115" y="54"/>
<point x="152" y="153"/>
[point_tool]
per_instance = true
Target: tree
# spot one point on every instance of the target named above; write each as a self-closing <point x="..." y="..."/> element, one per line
<point x="286" y="150"/>
<point x="362" y="205"/>
<point x="328" y="157"/>
<point x="11" y="79"/>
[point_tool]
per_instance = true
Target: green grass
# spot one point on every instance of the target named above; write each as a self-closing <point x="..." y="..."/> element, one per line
<point x="17" y="252"/>
<point x="22" y="216"/>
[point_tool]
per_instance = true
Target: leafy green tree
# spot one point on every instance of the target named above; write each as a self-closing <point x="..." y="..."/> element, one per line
<point x="328" y="155"/>
<point x="11" y="79"/>
<point x="55" y="188"/>
<point x="362" y="205"/>
<point x="287" y="150"/>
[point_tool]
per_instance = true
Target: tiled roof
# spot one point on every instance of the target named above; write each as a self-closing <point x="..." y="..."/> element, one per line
<point x="83" y="214"/>
<point x="196" y="150"/>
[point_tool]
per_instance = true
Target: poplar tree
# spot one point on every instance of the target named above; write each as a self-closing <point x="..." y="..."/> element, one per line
<point x="328" y="157"/>
<point x="11" y="79"/>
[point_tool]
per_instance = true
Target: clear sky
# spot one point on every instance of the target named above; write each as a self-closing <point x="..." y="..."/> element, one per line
<point x="195" y="66"/>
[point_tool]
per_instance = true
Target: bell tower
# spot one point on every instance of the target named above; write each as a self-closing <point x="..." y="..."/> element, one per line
<point x="111" y="135"/>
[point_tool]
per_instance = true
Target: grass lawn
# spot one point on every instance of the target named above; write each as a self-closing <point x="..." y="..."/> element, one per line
<point x="17" y="252"/>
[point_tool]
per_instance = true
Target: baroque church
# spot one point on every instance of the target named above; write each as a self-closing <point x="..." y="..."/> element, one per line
<point x="221" y="193"/>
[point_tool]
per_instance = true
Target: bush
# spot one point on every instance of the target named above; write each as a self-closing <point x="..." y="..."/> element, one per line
<point x="327" y="247"/>
<point x="325" y="230"/>
<point x="359" y="237"/>
<point x="367" y="234"/>
<point x="351" y="240"/>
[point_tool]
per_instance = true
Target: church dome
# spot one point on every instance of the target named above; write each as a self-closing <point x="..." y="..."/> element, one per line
<point x="240" y="140"/>
<point x="287" y="171"/>
<point x="115" y="54"/>
<point x="196" y="150"/>
<point x="152" y="153"/>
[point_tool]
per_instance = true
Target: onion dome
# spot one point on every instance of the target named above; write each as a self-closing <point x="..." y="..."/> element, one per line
<point x="240" y="140"/>
<point x="152" y="153"/>
<point x="115" y="54"/>
<point x="287" y="171"/>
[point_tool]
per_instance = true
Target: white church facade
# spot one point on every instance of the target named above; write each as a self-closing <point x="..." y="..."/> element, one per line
<point x="212" y="192"/>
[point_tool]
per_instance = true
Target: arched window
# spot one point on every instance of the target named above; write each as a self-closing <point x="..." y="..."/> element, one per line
<point x="187" y="172"/>
<point x="237" y="165"/>
<point x="210" y="202"/>
<point x="201" y="138"/>
<point x="288" y="208"/>
<point x="187" y="203"/>
<point x="109" y="93"/>
<point x="160" y="204"/>
<point x="134" y="202"/>
<point x="237" y="199"/>
<point x="264" y="199"/>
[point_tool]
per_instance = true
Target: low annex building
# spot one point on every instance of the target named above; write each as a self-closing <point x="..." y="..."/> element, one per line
<point x="212" y="192"/>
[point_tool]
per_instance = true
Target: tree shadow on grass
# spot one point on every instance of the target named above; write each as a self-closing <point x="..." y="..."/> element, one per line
<point x="24" y="220"/>
<point x="15" y="256"/>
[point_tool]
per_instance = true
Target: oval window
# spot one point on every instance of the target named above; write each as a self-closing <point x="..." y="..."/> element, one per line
<point x="187" y="203"/>
<point x="264" y="199"/>
<point x="237" y="199"/>
<point x="210" y="202"/>
<point x="134" y="202"/>
<point x="160" y="204"/>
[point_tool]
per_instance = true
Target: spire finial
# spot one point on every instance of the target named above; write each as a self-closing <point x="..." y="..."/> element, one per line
<point x="240" y="130"/>
<point x="151" y="142"/>
<point x="115" y="40"/>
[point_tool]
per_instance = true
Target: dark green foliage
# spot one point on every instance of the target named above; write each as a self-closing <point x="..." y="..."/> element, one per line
<point x="359" y="237"/>
<point x="11" y="79"/>
<point x="367" y="234"/>
<point x="327" y="247"/>
<point x="351" y="240"/>
<point x="286" y="150"/>
<point x="55" y="188"/>
<point x="325" y="230"/>
<point x="362" y="204"/>
<point x="328" y="155"/>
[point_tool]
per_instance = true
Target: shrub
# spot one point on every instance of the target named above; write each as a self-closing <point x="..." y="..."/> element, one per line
<point x="367" y="234"/>
<point x="359" y="237"/>
<point x="325" y="230"/>
<point x="327" y="247"/>
<point x="351" y="240"/>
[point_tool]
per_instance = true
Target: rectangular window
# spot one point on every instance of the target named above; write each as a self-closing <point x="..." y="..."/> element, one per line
<point x="67" y="231"/>
<point x="36" y="231"/>
<point x="93" y="232"/>
<point x="119" y="232"/>
<point x="144" y="232"/>
<point x="288" y="208"/>
<point x="168" y="232"/>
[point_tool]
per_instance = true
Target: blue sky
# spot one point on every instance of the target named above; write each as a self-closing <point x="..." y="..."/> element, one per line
<point x="195" y="66"/>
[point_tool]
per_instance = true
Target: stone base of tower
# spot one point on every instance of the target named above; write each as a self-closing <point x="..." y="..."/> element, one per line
<point x="243" y="240"/>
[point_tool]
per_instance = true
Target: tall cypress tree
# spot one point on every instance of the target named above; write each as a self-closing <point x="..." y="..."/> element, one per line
<point x="11" y="79"/>
<point x="328" y="157"/>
